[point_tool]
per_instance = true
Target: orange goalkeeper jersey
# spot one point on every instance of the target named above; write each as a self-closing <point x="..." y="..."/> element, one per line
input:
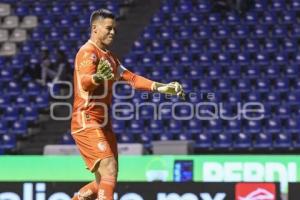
<point x="91" y="100"/>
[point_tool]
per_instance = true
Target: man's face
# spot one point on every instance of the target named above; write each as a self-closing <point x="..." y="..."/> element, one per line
<point x="105" y="30"/>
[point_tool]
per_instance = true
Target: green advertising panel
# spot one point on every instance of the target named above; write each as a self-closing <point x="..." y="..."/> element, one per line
<point x="208" y="168"/>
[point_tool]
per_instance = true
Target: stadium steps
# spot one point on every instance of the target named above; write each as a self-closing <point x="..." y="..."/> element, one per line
<point x="50" y="132"/>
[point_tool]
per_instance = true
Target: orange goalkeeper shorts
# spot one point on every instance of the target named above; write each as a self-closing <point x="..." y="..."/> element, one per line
<point x="96" y="144"/>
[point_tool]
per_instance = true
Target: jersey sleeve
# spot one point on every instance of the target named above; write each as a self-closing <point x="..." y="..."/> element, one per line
<point x="136" y="81"/>
<point x="86" y="62"/>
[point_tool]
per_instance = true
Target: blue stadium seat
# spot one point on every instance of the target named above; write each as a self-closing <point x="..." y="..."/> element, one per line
<point x="251" y="18"/>
<point x="194" y="126"/>
<point x="203" y="141"/>
<point x="293" y="125"/>
<point x="271" y="45"/>
<point x="3" y="127"/>
<point x="22" y="10"/>
<point x="186" y="59"/>
<point x="232" y="18"/>
<point x="290" y="45"/>
<point x="205" y="58"/>
<point x="6" y="75"/>
<point x="260" y="31"/>
<point x="241" y="32"/>
<point x="195" y="46"/>
<point x="176" y="19"/>
<point x="278" y="5"/>
<point x="244" y="85"/>
<point x="130" y="59"/>
<point x="243" y="58"/>
<point x="282" y="140"/>
<point x="174" y="126"/>
<point x="156" y="126"/>
<point x="205" y="85"/>
<point x="204" y="6"/>
<point x="176" y="73"/>
<point x="252" y="46"/>
<point x="295" y="32"/>
<point x="5" y="101"/>
<point x="30" y="114"/>
<point x="214" y="45"/>
<point x="270" y="18"/>
<point x="289" y="17"/>
<point x="282" y="85"/>
<point x="19" y="127"/>
<point x="280" y="31"/>
<point x="136" y="126"/>
<point x="41" y="101"/>
<point x="194" y="19"/>
<point x="224" y="58"/>
<point x="272" y="71"/>
<point x="187" y="85"/>
<point x="222" y="32"/>
<point x="252" y="71"/>
<point x="118" y="126"/>
<point x="263" y="141"/>
<point x="224" y="85"/>
<point x="157" y="46"/>
<point x="175" y="46"/>
<point x="253" y="96"/>
<point x="33" y="88"/>
<point x="185" y="32"/>
<point x="167" y="33"/>
<point x="67" y="138"/>
<point x="261" y="5"/>
<point x="11" y="113"/>
<point x="223" y="140"/>
<point x="165" y="111"/>
<point x="273" y="125"/>
<point x="139" y="46"/>
<point x="204" y="32"/>
<point x="125" y="138"/>
<point x="262" y="85"/>
<point x="273" y="98"/>
<point x="165" y="136"/>
<point x="214" y="126"/>
<point x="234" y="97"/>
<point x="295" y="5"/>
<point x="291" y="71"/>
<point x="233" y="71"/>
<point x="233" y="126"/>
<point x="214" y="19"/>
<point x="233" y="46"/>
<point x="242" y="141"/>
<point x="8" y="141"/>
<point x="185" y="7"/>
<point x="297" y="85"/>
<point x="148" y="60"/>
<point x="145" y="138"/>
<point x="147" y="112"/>
<point x="253" y="127"/>
<point x="22" y="101"/>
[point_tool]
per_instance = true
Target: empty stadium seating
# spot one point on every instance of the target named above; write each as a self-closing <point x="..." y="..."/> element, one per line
<point x="239" y="58"/>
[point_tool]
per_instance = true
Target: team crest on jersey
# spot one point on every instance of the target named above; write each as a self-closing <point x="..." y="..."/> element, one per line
<point x="86" y="63"/>
<point x="102" y="146"/>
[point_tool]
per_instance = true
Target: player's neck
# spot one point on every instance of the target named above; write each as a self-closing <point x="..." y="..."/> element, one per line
<point x="99" y="44"/>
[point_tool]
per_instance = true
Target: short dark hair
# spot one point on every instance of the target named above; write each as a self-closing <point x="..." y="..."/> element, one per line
<point x="101" y="13"/>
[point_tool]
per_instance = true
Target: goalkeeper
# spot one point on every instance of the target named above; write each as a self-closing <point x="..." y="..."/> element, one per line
<point x="96" y="69"/>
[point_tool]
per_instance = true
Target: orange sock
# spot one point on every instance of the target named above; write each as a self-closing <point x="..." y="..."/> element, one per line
<point x="106" y="188"/>
<point x="89" y="190"/>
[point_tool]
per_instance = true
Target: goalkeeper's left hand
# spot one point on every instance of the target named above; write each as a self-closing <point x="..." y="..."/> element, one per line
<point x="173" y="88"/>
